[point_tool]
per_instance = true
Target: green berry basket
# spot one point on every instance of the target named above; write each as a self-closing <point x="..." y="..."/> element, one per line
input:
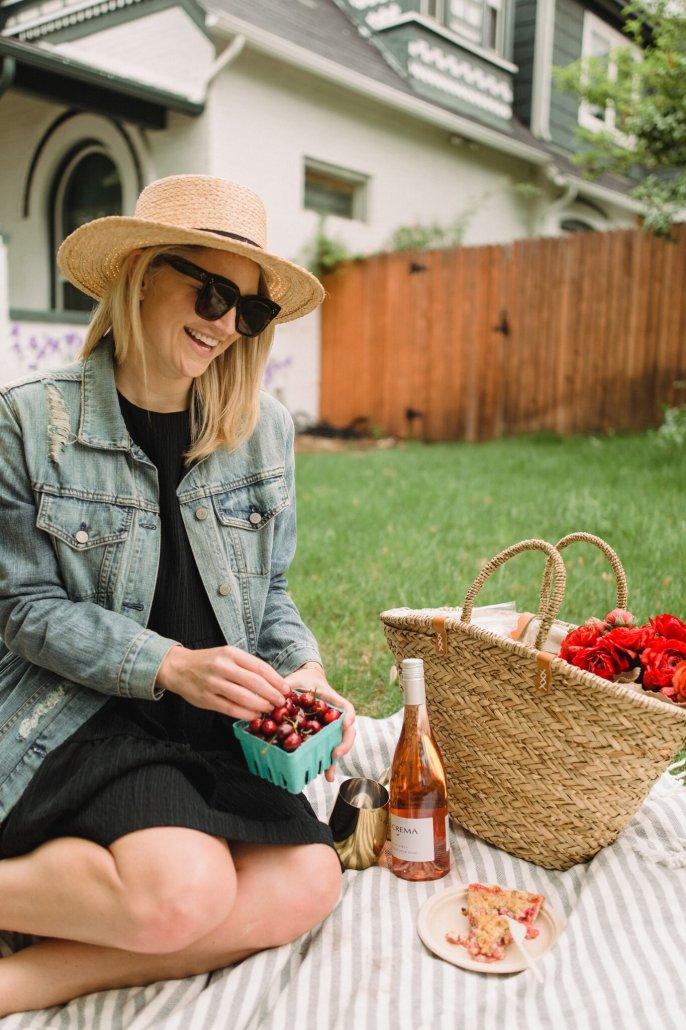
<point x="290" y="769"/>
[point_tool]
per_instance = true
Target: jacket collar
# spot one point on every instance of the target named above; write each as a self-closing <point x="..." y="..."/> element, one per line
<point x="102" y="424"/>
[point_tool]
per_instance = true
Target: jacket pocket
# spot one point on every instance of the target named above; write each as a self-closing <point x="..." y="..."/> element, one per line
<point x="88" y="537"/>
<point x="247" y="513"/>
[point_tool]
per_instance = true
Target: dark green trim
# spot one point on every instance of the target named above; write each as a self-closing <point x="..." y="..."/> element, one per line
<point x="62" y="80"/>
<point x="56" y="317"/>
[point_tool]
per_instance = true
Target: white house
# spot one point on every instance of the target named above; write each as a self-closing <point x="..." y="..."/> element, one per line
<point x="381" y="113"/>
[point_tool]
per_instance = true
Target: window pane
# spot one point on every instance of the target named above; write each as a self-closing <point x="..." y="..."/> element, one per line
<point x="92" y="190"/>
<point x="466" y="18"/>
<point x="328" y="193"/>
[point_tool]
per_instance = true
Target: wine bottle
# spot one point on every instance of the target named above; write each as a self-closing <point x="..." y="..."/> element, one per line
<point x="418" y="795"/>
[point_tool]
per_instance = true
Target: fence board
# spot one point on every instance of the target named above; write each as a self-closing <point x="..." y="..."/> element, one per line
<point x="576" y="334"/>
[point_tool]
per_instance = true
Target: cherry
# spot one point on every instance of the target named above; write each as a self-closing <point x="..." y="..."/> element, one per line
<point x="319" y="706"/>
<point x="292" y="742"/>
<point x="307" y="699"/>
<point x="269" y="727"/>
<point x="255" y="726"/>
<point x="311" y="726"/>
<point x="283" y="730"/>
<point x="330" y="715"/>
<point x="280" y="713"/>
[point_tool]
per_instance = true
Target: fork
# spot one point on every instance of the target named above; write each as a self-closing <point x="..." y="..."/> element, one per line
<point x="518" y="933"/>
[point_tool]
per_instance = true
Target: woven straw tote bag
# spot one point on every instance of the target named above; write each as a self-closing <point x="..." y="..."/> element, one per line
<point x="544" y="760"/>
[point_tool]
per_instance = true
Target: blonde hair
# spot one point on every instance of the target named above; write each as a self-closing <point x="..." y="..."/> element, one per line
<point x="225" y="399"/>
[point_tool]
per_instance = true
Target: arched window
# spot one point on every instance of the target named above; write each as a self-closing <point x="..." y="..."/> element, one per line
<point x="575" y="225"/>
<point x="87" y="186"/>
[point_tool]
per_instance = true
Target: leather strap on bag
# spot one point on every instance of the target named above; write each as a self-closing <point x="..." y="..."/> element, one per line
<point x="441" y="642"/>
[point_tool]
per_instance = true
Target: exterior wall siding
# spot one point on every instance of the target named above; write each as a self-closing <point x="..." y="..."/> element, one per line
<point x="564" y="107"/>
<point x="523" y="56"/>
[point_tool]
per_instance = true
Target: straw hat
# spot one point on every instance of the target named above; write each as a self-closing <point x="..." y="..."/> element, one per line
<point x="188" y="209"/>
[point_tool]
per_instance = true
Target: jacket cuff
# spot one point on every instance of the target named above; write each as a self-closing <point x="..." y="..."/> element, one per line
<point x="293" y="656"/>
<point x="141" y="663"/>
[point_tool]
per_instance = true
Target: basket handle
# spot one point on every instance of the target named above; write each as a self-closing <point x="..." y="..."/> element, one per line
<point x="549" y="601"/>
<point x="617" y="567"/>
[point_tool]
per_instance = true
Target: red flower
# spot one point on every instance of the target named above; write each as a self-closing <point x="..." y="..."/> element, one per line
<point x="629" y="640"/>
<point x="576" y="639"/>
<point x="602" y="659"/>
<point x="679" y="682"/>
<point x="669" y="626"/>
<point x="660" y="659"/>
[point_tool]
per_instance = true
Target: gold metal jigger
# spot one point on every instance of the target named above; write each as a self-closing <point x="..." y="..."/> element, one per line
<point x="359" y="822"/>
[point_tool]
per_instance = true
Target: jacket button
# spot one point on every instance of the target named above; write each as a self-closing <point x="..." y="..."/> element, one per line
<point x="201" y="514"/>
<point x="255" y="518"/>
<point x="224" y="589"/>
<point x="81" y="537"/>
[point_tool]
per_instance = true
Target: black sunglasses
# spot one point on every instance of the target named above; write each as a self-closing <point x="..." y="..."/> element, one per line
<point x="219" y="295"/>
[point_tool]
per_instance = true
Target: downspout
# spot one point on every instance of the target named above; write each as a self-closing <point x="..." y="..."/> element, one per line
<point x="227" y="57"/>
<point x="569" y="188"/>
<point x="9" y="70"/>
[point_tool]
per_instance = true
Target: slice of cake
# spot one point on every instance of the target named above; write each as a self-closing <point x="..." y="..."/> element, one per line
<point x="488" y="935"/>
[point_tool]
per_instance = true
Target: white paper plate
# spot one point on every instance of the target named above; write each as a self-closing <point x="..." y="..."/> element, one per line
<point x="442" y="913"/>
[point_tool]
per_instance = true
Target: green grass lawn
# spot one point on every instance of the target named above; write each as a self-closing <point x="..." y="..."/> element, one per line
<point x="412" y="526"/>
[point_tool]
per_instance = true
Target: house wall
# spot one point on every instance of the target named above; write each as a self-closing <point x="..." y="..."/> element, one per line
<point x="523" y="57"/>
<point x="564" y="107"/>
<point x="165" y="49"/>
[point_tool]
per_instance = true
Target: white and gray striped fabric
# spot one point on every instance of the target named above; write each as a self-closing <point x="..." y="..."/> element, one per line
<point x="619" y="963"/>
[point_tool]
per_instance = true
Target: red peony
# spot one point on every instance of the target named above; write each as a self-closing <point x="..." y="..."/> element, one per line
<point x="660" y="659"/>
<point x="669" y="626"/>
<point x="581" y="637"/>
<point x="602" y="659"/>
<point x="629" y="640"/>
<point x="679" y="682"/>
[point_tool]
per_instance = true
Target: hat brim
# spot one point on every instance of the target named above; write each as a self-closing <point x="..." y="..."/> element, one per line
<point x="92" y="257"/>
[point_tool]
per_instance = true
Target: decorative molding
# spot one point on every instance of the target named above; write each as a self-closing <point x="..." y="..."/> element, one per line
<point x="432" y="77"/>
<point x="456" y="67"/>
<point x="64" y="16"/>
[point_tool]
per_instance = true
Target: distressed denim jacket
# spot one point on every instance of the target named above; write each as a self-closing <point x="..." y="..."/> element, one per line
<point x="79" y="551"/>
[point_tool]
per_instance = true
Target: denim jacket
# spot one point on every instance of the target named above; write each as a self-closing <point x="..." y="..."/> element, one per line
<point x="79" y="551"/>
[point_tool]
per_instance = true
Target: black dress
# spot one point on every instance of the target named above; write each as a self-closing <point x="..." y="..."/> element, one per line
<point x="137" y="764"/>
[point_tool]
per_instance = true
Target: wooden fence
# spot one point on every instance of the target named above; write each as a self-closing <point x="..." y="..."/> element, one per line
<point x="576" y="334"/>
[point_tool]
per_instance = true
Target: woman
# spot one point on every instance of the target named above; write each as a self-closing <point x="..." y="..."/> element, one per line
<point x="148" y="521"/>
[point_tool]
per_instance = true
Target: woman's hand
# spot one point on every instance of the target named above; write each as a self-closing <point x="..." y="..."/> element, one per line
<point x="311" y="676"/>
<point x="223" y="679"/>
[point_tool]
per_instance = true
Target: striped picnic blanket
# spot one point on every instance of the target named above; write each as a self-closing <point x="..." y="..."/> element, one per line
<point x="619" y="962"/>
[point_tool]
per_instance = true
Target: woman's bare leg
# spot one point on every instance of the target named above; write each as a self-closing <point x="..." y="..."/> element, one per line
<point x="55" y="971"/>
<point x="152" y="890"/>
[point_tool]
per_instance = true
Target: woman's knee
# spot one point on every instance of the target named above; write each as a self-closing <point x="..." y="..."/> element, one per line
<point x="178" y="893"/>
<point x="314" y="878"/>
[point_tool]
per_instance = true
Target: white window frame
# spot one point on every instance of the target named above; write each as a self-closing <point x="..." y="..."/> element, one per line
<point x="441" y="15"/>
<point x="593" y="25"/>
<point x="346" y="177"/>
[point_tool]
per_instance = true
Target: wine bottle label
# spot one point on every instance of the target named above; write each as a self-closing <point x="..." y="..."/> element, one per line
<point x="412" y="839"/>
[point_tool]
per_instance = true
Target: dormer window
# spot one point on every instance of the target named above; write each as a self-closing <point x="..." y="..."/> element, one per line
<point x="601" y="43"/>
<point x="481" y="22"/>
